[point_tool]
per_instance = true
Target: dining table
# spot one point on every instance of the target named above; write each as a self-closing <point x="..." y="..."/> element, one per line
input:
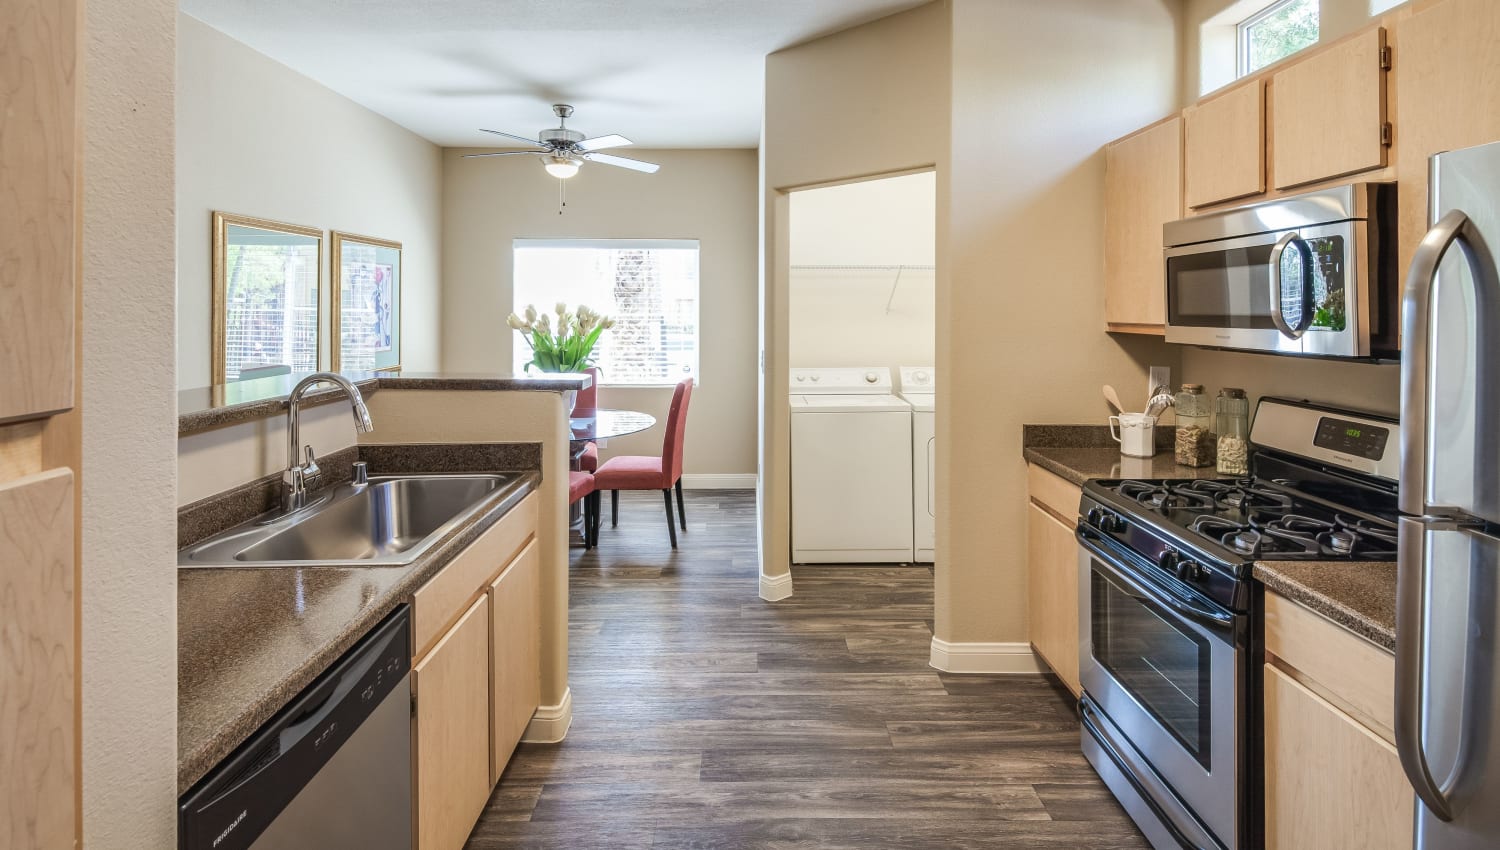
<point x="591" y="425"/>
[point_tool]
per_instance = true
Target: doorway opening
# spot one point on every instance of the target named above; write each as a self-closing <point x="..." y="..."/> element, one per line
<point x="861" y="371"/>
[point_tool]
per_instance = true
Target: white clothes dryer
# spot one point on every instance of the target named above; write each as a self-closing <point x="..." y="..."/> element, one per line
<point x="851" y="468"/>
<point x="919" y="389"/>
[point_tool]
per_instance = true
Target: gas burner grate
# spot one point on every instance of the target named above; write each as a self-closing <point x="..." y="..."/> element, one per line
<point x="1270" y="534"/>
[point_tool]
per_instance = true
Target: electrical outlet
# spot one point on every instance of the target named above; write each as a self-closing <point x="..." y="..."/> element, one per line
<point x="1161" y="376"/>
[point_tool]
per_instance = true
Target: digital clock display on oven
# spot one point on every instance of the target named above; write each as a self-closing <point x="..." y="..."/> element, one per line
<point x="1352" y="438"/>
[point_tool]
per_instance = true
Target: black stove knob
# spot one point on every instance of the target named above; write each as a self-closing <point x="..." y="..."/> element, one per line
<point x="1104" y="520"/>
<point x="1168" y="559"/>
<point x="1189" y="570"/>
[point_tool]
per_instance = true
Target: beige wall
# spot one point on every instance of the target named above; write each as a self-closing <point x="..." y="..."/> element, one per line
<point x="256" y="138"/>
<point x="129" y="532"/>
<point x="864" y="317"/>
<point x="1038" y="88"/>
<point x="885" y="84"/>
<point x="1209" y="31"/>
<point x="708" y="195"/>
<point x="1362" y="386"/>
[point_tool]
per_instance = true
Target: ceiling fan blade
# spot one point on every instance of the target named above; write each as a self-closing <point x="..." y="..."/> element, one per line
<point x="505" y="153"/>
<point x="623" y="162"/>
<point x="532" y="142"/>
<point x="599" y="143"/>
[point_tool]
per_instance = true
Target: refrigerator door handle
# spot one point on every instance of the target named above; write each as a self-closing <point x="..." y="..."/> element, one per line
<point x="1411" y="663"/>
<point x="1305" y="316"/>
<point x="1416" y="328"/>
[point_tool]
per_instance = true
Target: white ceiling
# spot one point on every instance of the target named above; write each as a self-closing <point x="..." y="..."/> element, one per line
<point x="666" y="73"/>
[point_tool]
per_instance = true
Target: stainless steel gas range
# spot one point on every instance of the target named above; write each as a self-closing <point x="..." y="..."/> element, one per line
<point x="1170" y="632"/>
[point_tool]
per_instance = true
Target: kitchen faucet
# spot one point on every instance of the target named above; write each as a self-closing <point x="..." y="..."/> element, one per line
<point x="298" y="477"/>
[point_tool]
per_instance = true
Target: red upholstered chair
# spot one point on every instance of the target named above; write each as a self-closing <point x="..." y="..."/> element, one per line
<point x="652" y="473"/>
<point x="581" y="486"/>
<point x="588" y="397"/>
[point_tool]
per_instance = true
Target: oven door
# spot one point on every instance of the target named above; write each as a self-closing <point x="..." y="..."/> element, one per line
<point x="1166" y="668"/>
<point x="1302" y="291"/>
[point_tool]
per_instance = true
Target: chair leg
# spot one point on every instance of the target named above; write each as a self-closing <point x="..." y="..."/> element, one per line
<point x="666" y="494"/>
<point x="681" y="514"/>
<point x="614" y="508"/>
<point x="598" y="518"/>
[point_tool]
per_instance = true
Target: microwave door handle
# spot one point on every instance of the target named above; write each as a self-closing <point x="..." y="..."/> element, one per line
<point x="1416" y="331"/>
<point x="1304" y="319"/>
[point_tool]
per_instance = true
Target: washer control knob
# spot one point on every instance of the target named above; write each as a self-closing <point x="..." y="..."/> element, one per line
<point x="871" y="377"/>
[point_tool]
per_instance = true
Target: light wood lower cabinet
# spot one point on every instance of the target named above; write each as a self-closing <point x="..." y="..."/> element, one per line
<point x="1052" y="574"/>
<point x="476" y="676"/>
<point x="516" y="654"/>
<point x="1330" y="782"/>
<point x="451" y="732"/>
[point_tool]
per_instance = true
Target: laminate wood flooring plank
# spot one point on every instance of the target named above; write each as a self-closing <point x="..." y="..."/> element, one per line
<point x="707" y="718"/>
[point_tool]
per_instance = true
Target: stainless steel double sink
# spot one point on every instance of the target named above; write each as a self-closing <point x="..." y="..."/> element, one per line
<point x="389" y="521"/>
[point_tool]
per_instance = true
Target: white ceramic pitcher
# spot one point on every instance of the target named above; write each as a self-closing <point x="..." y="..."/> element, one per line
<point x="1135" y="432"/>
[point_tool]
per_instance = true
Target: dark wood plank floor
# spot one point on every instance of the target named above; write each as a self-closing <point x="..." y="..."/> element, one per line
<point x="707" y="718"/>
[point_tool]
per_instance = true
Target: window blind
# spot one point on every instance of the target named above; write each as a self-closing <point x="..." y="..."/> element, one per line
<point x="649" y="287"/>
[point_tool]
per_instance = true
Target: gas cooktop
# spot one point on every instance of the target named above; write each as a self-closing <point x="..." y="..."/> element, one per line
<point x="1270" y="520"/>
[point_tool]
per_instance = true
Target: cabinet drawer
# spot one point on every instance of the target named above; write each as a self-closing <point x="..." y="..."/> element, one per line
<point x="1354" y="673"/>
<point x="1053" y="492"/>
<point x="440" y="601"/>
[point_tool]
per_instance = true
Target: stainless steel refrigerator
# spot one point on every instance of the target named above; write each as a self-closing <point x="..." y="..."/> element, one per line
<point x="1448" y="605"/>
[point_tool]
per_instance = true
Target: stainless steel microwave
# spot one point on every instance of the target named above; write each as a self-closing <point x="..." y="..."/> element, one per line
<point x="1312" y="274"/>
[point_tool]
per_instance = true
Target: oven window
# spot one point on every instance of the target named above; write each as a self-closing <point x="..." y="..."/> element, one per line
<point x="1163" y="665"/>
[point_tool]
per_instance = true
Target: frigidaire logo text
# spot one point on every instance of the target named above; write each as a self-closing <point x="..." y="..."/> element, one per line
<point x="230" y="828"/>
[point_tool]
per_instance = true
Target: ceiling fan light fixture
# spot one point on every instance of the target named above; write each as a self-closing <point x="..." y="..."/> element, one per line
<point x="562" y="167"/>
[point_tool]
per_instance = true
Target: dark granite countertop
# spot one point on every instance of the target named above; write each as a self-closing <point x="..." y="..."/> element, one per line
<point x="1080" y="453"/>
<point x="249" y="639"/>
<point x="1358" y="595"/>
<point x="206" y="408"/>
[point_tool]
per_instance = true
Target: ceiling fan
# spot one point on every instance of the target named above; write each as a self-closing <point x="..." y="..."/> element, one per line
<point x="565" y="151"/>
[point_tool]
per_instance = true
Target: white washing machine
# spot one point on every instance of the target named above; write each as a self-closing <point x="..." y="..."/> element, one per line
<point x="851" y="468"/>
<point x="919" y="389"/>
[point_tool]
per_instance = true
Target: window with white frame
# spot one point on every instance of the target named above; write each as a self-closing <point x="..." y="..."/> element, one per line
<point x="648" y="286"/>
<point x="1276" y="32"/>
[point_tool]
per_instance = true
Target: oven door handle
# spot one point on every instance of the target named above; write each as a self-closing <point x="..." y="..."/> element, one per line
<point x="1141" y="588"/>
<point x="1278" y="316"/>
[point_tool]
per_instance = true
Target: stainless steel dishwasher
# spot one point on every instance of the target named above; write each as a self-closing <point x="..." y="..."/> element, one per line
<point x="330" y="770"/>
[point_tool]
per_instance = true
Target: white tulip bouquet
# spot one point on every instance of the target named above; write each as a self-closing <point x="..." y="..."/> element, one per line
<point x="571" y="348"/>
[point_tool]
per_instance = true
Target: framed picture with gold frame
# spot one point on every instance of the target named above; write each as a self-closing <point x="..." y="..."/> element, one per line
<point x="366" y="298"/>
<point x="267" y="294"/>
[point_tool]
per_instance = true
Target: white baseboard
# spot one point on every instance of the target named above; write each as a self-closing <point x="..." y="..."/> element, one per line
<point x="724" y="481"/>
<point x="551" y="722"/>
<point x="775" y="588"/>
<point x="983" y="657"/>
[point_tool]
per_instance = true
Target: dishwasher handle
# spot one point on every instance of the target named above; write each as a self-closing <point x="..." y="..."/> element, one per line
<point x="230" y="807"/>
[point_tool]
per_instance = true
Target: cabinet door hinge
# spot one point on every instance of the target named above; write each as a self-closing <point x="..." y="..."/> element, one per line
<point x="1385" y="58"/>
<point x="413" y="703"/>
<point x="1385" y="134"/>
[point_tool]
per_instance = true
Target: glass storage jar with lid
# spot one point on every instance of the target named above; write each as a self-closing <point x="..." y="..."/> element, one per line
<point x="1232" y="423"/>
<point x="1195" y="427"/>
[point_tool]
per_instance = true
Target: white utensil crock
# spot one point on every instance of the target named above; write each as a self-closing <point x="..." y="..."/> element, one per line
<point x="1135" y="432"/>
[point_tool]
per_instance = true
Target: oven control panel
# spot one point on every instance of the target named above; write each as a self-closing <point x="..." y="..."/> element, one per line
<point x="1361" y="439"/>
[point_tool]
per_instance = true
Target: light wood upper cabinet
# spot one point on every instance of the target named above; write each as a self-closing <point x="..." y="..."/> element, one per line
<point x="515" y="653"/>
<point x="1224" y="146"/>
<point x="38" y="153"/>
<point x="1330" y="782"/>
<point x="1142" y="191"/>
<point x="36" y="662"/>
<point x="1328" y="112"/>
<point x="1447" y="77"/>
<point x="1052" y="575"/>
<point x="451" y="732"/>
